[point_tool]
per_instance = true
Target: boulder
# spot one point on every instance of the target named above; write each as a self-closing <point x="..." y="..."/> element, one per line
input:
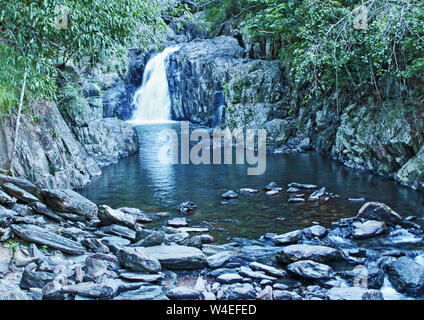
<point x="230" y="194"/>
<point x="42" y="209"/>
<point x="38" y="235"/>
<point x="69" y="201"/>
<point x="298" y="252"/>
<point x="187" y="207"/>
<point x="287" y="238"/>
<point x="311" y="270"/>
<point x="18" y="193"/>
<point x="32" y="278"/>
<point x="120" y="231"/>
<point x="407" y="276"/>
<point x="109" y="216"/>
<point x="178" y="257"/>
<point x="218" y="259"/>
<point x="380" y="212"/>
<point x="138" y="259"/>
<point x="6" y="200"/>
<point x="368" y="229"/>
<point x="237" y="291"/>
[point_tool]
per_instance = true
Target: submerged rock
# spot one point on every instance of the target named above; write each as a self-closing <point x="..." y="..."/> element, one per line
<point x="230" y="194"/>
<point x="187" y="207"/>
<point x="302" y="185"/>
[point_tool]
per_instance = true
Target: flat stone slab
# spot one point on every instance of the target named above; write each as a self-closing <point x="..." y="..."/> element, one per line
<point x="120" y="231"/>
<point x="19" y="193"/>
<point x="311" y="270"/>
<point x="298" y="252"/>
<point x="178" y="257"/>
<point x="140" y="277"/>
<point x="274" y="272"/>
<point x="6" y="200"/>
<point x="143" y="293"/>
<point x="193" y="229"/>
<point x="353" y="293"/>
<point x="32" y="233"/>
<point x="138" y="259"/>
<point x="178" y="222"/>
<point x="368" y="229"/>
<point x="109" y="216"/>
<point x="69" y="201"/>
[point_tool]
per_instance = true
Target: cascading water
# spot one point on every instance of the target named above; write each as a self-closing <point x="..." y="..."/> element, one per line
<point x="152" y="100"/>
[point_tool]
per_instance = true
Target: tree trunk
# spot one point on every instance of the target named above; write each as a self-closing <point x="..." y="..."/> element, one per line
<point x="18" y="121"/>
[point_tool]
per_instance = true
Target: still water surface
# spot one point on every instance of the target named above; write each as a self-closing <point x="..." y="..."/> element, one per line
<point x="143" y="182"/>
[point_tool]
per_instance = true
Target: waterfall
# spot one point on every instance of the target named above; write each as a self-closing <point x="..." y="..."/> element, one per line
<point x="152" y="100"/>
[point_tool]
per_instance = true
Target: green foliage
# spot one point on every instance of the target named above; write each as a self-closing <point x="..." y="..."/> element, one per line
<point x="53" y="169"/>
<point x="13" y="248"/>
<point x="324" y="54"/>
<point x="94" y="29"/>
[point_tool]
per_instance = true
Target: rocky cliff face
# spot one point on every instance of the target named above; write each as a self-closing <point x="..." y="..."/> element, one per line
<point x="219" y="82"/>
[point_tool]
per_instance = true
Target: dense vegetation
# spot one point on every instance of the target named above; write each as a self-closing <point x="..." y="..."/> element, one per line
<point x="328" y="48"/>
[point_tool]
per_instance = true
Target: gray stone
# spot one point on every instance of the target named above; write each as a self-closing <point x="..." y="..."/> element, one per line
<point x="109" y="216"/>
<point x="11" y="292"/>
<point x="31" y="278"/>
<point x="178" y="222"/>
<point x="42" y="209"/>
<point x="274" y="272"/>
<point x="19" y="193"/>
<point x="230" y="194"/>
<point x="69" y="201"/>
<point x="32" y="233"/>
<point x="115" y="243"/>
<point x="90" y="290"/>
<point x="138" y="259"/>
<point x="218" y="259"/>
<point x="181" y="293"/>
<point x="353" y="293"/>
<point x="247" y="272"/>
<point x="380" y="212"/>
<point x="316" y="231"/>
<point x="120" y="231"/>
<point x="298" y="252"/>
<point x="178" y="257"/>
<point x="286" y="295"/>
<point x="6" y="200"/>
<point x="140" y="277"/>
<point x="368" y="229"/>
<point x="143" y="293"/>
<point x="311" y="270"/>
<point x="229" y="278"/>
<point x="406" y="276"/>
<point x="287" y="238"/>
<point x="237" y="291"/>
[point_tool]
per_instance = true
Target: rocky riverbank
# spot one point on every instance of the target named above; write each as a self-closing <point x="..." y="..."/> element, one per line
<point x="56" y="244"/>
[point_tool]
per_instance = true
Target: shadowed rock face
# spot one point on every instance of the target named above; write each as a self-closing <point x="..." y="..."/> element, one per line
<point x="407" y="276"/>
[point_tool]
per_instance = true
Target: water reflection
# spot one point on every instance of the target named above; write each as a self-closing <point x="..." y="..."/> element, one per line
<point x="144" y="182"/>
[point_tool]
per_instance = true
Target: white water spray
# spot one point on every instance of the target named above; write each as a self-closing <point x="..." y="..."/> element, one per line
<point x="152" y="100"/>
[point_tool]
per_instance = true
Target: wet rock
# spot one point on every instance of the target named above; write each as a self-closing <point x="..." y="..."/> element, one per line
<point x="270" y="186"/>
<point x="298" y="252"/>
<point x="42" y="209"/>
<point x="356" y="199"/>
<point x="286" y="285"/>
<point x="6" y="200"/>
<point x="248" y="190"/>
<point x="181" y="293"/>
<point x="358" y="253"/>
<point x="187" y="207"/>
<point x="406" y="276"/>
<point x="302" y="185"/>
<point x="286" y="295"/>
<point x="69" y="201"/>
<point x="140" y="277"/>
<point x="40" y="236"/>
<point x="296" y="200"/>
<point x="143" y="293"/>
<point x="247" y="272"/>
<point x="274" y="272"/>
<point x="316" y="195"/>
<point x="99" y="267"/>
<point x="178" y="257"/>
<point x="19" y="193"/>
<point x="178" y="222"/>
<point x="293" y="190"/>
<point x="353" y="293"/>
<point x="120" y="231"/>
<point x="287" y="238"/>
<point x="195" y="241"/>
<point x="193" y="229"/>
<point x="315" y="231"/>
<point x="139" y="215"/>
<point x="138" y="259"/>
<point x="380" y="212"/>
<point x="368" y="229"/>
<point x="311" y="270"/>
<point x="177" y="237"/>
<point x="110" y="216"/>
<point x="273" y="192"/>
<point x="21" y="183"/>
<point x="230" y="194"/>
